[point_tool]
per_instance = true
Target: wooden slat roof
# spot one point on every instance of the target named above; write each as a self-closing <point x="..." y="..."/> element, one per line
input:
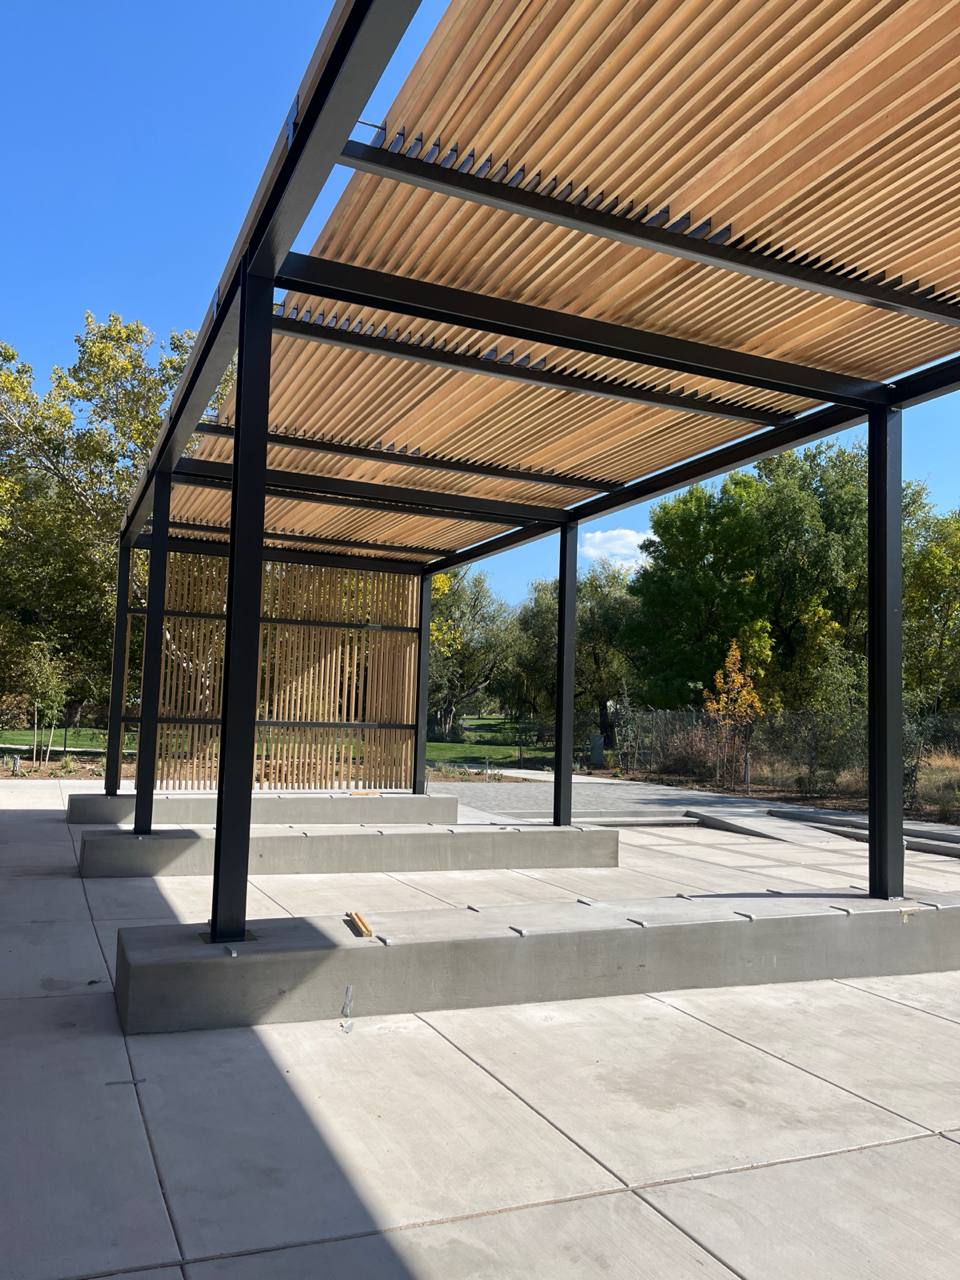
<point x="811" y="127"/>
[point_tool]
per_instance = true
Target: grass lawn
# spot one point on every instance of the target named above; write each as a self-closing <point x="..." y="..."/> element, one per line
<point x="77" y="739"/>
<point x="477" y="754"/>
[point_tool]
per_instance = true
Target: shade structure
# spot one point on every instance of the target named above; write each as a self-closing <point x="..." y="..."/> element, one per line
<point x="597" y="250"/>
<point x="808" y="136"/>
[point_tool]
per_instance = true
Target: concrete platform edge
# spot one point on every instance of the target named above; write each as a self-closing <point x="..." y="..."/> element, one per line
<point x="168" y="979"/>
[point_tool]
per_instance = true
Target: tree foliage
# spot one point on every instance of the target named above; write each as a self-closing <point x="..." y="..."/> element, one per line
<point x="466" y="623"/>
<point x="780" y="555"/>
<point x="68" y="460"/>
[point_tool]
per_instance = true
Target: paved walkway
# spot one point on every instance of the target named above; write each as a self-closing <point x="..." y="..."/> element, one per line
<point x="789" y="1131"/>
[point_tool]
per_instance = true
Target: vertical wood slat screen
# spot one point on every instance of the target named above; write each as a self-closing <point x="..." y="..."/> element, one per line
<point x="338" y="677"/>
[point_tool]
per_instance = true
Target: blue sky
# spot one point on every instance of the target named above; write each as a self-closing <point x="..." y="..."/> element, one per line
<point x="134" y="138"/>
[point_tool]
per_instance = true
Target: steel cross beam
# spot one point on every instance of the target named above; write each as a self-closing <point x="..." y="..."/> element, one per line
<point x="358" y="42"/>
<point x="397" y="458"/>
<point x="308" y="540"/>
<point x="644" y="230"/>
<point x="280" y="555"/>
<point x="296" y="484"/>
<point x="914" y="388"/>
<point x="362" y="287"/>
<point x="436" y="357"/>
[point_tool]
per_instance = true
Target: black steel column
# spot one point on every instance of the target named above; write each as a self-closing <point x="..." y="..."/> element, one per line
<point x="152" y="655"/>
<point x="423" y="689"/>
<point x="884" y="653"/>
<point x="566" y="663"/>
<point x="241" y="667"/>
<point x="118" y="675"/>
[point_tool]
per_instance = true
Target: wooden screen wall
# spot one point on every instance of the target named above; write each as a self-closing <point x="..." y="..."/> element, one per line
<point x="338" y="677"/>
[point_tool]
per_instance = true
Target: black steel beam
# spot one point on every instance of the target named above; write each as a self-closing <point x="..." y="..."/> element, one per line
<point x="566" y="675"/>
<point x="423" y="687"/>
<point x="241" y="660"/>
<point x="915" y="388"/>
<point x="297" y="484"/>
<point x="308" y="540"/>
<point x="354" y="58"/>
<point x="363" y="287"/>
<point x="709" y="406"/>
<point x="118" y="676"/>
<point x="368" y="37"/>
<point x="741" y="453"/>
<point x="884" y="654"/>
<point x="213" y="352"/>
<point x="638" y="231"/>
<point x="399" y="458"/>
<point x="279" y="555"/>
<point x="152" y="656"/>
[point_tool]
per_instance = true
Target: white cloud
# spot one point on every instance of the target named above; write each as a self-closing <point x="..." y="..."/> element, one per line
<point x="620" y="546"/>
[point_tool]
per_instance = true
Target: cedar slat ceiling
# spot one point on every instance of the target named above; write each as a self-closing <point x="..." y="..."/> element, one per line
<point x="825" y="127"/>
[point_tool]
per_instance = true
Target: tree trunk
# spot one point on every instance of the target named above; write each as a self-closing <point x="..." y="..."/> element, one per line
<point x="53" y="730"/>
<point x="35" y="709"/>
<point x="605" y="724"/>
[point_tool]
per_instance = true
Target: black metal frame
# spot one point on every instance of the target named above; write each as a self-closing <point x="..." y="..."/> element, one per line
<point x="309" y="144"/>
<point x="241" y="661"/>
<point x="118" y="675"/>
<point x="431" y="502"/>
<point x="152" y="656"/>
<point x="423" y="685"/>
<point x="566" y="672"/>
<point x="243" y="314"/>
<point x="646" y="229"/>
<point x="884" y="653"/>
<point x="360" y="286"/>
<point x="402" y="458"/>
<point x="500" y="366"/>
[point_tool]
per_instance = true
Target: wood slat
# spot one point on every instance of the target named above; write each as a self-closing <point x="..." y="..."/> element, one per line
<point x="309" y="673"/>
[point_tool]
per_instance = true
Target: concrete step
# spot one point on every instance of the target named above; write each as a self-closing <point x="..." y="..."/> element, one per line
<point x="199" y="807"/>
<point x="172" y="978"/>
<point x="766" y="826"/>
<point x="181" y="851"/>
<point x="917" y="836"/>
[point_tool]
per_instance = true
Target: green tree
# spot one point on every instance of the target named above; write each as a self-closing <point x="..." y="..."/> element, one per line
<point x="932" y="615"/>
<point x="527" y="680"/>
<point x="466" y="632"/>
<point x="68" y="460"/>
<point x="779" y="551"/>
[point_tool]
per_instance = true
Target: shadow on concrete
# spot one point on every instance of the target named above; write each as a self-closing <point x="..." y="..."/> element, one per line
<point x="242" y="1160"/>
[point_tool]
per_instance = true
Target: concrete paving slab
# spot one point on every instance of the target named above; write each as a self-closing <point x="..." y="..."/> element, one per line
<point x="691" y="871"/>
<point x="316" y="895"/>
<point x="885" y="1213"/>
<point x="383" y="1126"/>
<point x="51" y="960"/>
<point x="625" y="1077"/>
<point x="169" y="898"/>
<point x="76" y="1175"/>
<point x="154" y="1273"/>
<point x="849" y="1037"/>
<point x="757" y="824"/>
<point x="32" y="898"/>
<point x="937" y="993"/>
<point x="488" y="888"/>
<point x="609" y="883"/>
<point x="615" y="1236"/>
<point x="38" y="859"/>
<point x="785" y="876"/>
